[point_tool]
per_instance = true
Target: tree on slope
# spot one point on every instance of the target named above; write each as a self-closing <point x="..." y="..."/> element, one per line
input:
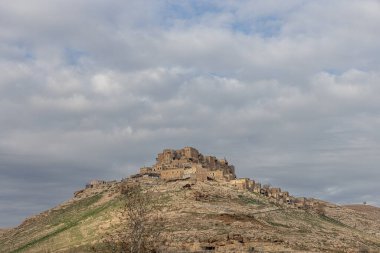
<point x="141" y="223"/>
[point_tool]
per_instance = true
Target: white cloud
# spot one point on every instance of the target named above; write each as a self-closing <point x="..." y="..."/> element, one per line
<point x="288" y="90"/>
<point x="74" y="103"/>
<point x="64" y="81"/>
<point x="103" y="84"/>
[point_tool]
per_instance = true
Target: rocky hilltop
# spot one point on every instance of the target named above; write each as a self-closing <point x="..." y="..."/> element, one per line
<point x="200" y="211"/>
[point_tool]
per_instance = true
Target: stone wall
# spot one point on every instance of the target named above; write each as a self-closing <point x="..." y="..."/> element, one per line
<point x="95" y="183"/>
<point x="172" y="174"/>
<point x="243" y="184"/>
<point x="187" y="158"/>
<point x="188" y="163"/>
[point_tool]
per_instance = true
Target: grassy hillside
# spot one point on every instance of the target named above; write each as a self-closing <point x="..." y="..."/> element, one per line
<point x="207" y="215"/>
<point x="73" y="224"/>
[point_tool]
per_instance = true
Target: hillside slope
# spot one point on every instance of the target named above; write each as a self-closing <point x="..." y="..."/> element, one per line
<point x="198" y="215"/>
<point x="370" y="212"/>
<point x="3" y="230"/>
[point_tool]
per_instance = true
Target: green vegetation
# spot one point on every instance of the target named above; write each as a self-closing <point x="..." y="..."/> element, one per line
<point x="65" y="215"/>
<point x="332" y="220"/>
<point x="278" y="224"/>
<point x="70" y="217"/>
<point x="250" y="201"/>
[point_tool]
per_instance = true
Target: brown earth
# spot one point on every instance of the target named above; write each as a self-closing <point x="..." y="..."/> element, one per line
<point x="368" y="209"/>
<point x="4" y="230"/>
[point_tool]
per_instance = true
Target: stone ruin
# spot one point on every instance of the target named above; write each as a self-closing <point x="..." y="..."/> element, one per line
<point x="95" y="183"/>
<point x="189" y="163"/>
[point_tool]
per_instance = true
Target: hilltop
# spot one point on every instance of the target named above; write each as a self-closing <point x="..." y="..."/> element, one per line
<point x="201" y="213"/>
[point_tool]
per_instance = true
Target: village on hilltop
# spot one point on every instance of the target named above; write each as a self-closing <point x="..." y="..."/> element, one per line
<point x="189" y="164"/>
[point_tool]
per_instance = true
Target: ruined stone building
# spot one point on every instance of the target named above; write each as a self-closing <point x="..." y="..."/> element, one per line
<point x="243" y="184"/>
<point x="94" y="183"/>
<point x="189" y="163"/>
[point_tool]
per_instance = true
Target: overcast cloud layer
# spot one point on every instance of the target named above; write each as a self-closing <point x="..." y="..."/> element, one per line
<point x="287" y="91"/>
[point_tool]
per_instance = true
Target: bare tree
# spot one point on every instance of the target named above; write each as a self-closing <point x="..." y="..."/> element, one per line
<point x="142" y="223"/>
<point x="143" y="220"/>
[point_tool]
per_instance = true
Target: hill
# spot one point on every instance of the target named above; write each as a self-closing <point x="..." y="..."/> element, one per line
<point x="189" y="202"/>
<point x="372" y="212"/>
<point x="198" y="215"/>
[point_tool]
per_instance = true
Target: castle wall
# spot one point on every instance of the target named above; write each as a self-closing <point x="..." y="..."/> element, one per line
<point x="95" y="183"/>
<point x="200" y="174"/>
<point x="168" y="155"/>
<point x="274" y="192"/>
<point x="172" y="174"/>
<point x="216" y="175"/>
<point x="172" y="164"/>
<point x="188" y="163"/>
<point x="251" y="184"/>
<point x="243" y="183"/>
<point x="191" y="153"/>
<point x="145" y="170"/>
<point x="257" y="188"/>
<point x="211" y="162"/>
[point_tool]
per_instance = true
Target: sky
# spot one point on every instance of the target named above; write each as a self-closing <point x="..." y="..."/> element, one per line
<point x="288" y="91"/>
